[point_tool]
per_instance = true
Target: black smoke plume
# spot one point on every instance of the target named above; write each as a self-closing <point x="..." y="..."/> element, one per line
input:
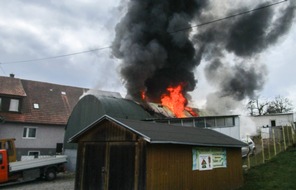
<point x="156" y="54"/>
<point x="153" y="56"/>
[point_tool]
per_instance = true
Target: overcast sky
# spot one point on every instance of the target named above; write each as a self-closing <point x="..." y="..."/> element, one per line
<point x="35" y="29"/>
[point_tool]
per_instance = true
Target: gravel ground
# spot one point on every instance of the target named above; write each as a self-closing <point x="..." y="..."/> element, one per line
<point x="62" y="182"/>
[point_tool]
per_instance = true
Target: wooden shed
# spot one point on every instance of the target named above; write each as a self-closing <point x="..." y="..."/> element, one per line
<point x="130" y="154"/>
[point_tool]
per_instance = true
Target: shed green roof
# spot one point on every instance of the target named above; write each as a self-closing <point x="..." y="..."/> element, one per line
<point x="92" y="107"/>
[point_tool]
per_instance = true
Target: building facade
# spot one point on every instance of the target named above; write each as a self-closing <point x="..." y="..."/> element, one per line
<point x="266" y="123"/>
<point x="35" y="114"/>
<point x="273" y="120"/>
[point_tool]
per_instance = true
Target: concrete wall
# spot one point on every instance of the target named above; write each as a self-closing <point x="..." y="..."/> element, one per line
<point x="72" y="157"/>
<point x="280" y="120"/>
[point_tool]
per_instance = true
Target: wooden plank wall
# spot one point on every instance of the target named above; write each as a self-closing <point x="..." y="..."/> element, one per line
<point x="170" y="167"/>
<point x="107" y="132"/>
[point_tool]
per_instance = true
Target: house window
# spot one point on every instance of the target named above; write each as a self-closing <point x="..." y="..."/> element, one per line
<point x="211" y="122"/>
<point x="199" y="122"/>
<point x="220" y="122"/>
<point x="34" y="153"/>
<point x="273" y="123"/>
<point x="229" y="121"/>
<point x="59" y="148"/>
<point x="14" y="105"/>
<point x="29" y="132"/>
<point x="9" y="104"/>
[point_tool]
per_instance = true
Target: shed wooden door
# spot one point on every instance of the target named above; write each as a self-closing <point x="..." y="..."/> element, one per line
<point x="111" y="165"/>
<point x="94" y="162"/>
<point x="121" y="166"/>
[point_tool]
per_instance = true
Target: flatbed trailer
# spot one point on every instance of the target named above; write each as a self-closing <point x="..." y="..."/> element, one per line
<point x="28" y="170"/>
<point x="37" y="162"/>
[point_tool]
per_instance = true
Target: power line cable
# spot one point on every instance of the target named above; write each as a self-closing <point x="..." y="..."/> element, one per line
<point x="58" y="56"/>
<point x="175" y="31"/>
<point x="228" y="17"/>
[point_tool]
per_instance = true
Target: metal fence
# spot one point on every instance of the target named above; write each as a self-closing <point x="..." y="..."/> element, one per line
<point x="269" y="143"/>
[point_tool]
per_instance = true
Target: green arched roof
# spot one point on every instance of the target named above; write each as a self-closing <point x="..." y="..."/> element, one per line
<point x="92" y="107"/>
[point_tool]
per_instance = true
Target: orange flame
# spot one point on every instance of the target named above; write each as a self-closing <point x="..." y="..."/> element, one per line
<point x="191" y="111"/>
<point x="175" y="100"/>
<point x="143" y="95"/>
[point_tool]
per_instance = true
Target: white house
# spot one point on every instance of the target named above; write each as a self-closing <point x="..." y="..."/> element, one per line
<point x="280" y="119"/>
<point x="35" y="114"/>
<point x="264" y="123"/>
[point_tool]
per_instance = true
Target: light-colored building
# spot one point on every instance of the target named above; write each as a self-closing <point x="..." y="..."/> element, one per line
<point x="225" y="124"/>
<point x="272" y="120"/>
<point x="35" y="114"/>
<point x="264" y="123"/>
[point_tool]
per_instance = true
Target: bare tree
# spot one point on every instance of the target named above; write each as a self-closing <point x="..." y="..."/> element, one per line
<point x="264" y="107"/>
<point x="279" y="105"/>
<point x="257" y="107"/>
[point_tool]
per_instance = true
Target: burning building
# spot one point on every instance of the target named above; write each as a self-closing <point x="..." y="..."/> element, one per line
<point x="159" y="51"/>
<point x="92" y="107"/>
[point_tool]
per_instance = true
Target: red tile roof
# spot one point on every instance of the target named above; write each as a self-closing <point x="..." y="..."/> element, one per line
<point x="11" y="86"/>
<point x="56" y="102"/>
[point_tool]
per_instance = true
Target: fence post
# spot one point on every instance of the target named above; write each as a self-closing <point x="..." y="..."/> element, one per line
<point x="249" y="163"/>
<point x="263" y="156"/>
<point x="285" y="146"/>
<point x="288" y="135"/>
<point x="248" y="156"/>
<point x="268" y="147"/>
<point x="274" y="144"/>
<point x="280" y="140"/>
<point x="292" y="133"/>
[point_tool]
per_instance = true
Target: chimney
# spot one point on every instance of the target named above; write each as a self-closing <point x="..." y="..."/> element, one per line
<point x="11" y="75"/>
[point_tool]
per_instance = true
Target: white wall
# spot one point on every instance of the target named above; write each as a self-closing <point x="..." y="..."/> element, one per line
<point x="233" y="131"/>
<point x="46" y="136"/>
<point x="72" y="158"/>
<point x="280" y="119"/>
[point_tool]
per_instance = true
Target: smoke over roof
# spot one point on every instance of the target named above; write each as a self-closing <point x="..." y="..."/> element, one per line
<point x="154" y="55"/>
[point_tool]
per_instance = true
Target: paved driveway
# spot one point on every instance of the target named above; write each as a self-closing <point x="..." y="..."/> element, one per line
<point x="62" y="182"/>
